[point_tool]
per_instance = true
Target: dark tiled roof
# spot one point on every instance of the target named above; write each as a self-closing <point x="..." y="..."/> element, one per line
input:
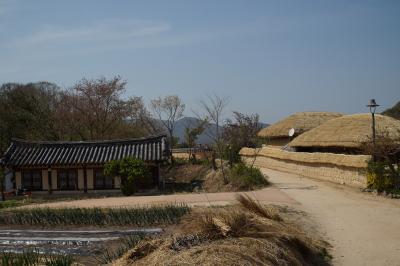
<point x="22" y="153"/>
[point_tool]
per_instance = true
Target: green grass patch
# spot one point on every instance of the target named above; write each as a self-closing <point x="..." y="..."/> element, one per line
<point x="38" y="199"/>
<point x="10" y="203"/>
<point x="32" y="258"/>
<point x="140" y="216"/>
<point x="244" y="177"/>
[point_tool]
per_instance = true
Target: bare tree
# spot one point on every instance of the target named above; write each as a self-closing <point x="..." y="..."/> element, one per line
<point x="96" y="109"/>
<point x="140" y="117"/>
<point x="93" y="109"/>
<point x="241" y="132"/>
<point x="168" y="110"/>
<point x="192" y="133"/>
<point x="213" y="107"/>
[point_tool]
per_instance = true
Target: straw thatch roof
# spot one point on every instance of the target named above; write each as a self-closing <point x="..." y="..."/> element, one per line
<point x="301" y="122"/>
<point x="350" y="131"/>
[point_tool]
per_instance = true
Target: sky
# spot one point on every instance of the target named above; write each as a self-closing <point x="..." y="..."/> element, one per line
<point x="273" y="58"/>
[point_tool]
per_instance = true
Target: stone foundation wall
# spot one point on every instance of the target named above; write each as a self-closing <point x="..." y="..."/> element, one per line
<point x="200" y="155"/>
<point x="352" y="176"/>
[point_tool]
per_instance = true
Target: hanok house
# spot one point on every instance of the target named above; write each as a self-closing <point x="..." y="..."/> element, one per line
<point x="71" y="166"/>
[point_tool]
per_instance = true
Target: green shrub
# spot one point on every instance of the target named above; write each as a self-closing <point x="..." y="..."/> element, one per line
<point x="180" y="161"/>
<point x="230" y="153"/>
<point x="380" y="176"/>
<point x="134" y="173"/>
<point x="245" y="177"/>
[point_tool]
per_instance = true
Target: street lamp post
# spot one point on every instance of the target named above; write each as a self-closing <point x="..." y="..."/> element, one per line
<point x="372" y="108"/>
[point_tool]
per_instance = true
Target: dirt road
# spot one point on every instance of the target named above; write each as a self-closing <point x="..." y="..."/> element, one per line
<point x="363" y="229"/>
<point x="267" y="195"/>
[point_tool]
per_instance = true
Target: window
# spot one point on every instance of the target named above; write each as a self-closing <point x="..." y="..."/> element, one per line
<point x="67" y="179"/>
<point x="32" y="179"/>
<point x="101" y="181"/>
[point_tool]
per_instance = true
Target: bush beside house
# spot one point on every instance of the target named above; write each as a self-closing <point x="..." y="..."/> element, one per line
<point x="133" y="173"/>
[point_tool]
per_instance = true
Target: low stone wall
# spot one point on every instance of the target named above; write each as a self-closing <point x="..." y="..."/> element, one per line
<point x="337" y="168"/>
<point x="200" y="154"/>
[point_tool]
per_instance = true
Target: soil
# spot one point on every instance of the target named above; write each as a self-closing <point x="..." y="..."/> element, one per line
<point x="198" y="177"/>
<point x="265" y="195"/>
<point x="186" y="173"/>
<point x="214" y="182"/>
<point x="362" y="228"/>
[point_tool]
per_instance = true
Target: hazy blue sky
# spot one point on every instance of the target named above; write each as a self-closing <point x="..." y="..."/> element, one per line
<point x="270" y="57"/>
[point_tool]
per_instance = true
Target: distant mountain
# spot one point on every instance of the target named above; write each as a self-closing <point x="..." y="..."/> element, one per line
<point x="191" y="122"/>
<point x="205" y="138"/>
<point x="262" y="125"/>
<point x="393" y="112"/>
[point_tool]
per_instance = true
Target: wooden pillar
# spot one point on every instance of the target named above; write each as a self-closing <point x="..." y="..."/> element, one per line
<point x="49" y="180"/>
<point x="373" y="138"/>
<point x="159" y="178"/>
<point x="85" y="180"/>
<point x="155" y="175"/>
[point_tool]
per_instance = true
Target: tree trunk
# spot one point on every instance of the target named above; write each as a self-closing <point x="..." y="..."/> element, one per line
<point x="171" y="142"/>
<point x="2" y="179"/>
<point x="223" y="172"/>
<point x="172" y="159"/>
<point x="213" y="163"/>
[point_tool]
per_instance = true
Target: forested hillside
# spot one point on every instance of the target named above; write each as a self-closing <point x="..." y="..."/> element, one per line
<point x="394" y="111"/>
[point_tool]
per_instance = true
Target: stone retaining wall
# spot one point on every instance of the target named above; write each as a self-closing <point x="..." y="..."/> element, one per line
<point x="329" y="170"/>
<point x="200" y="155"/>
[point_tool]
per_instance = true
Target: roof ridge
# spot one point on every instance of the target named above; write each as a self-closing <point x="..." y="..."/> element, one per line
<point x="45" y="153"/>
<point x="81" y="142"/>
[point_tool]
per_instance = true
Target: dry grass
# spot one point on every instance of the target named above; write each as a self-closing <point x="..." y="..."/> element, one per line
<point x="245" y="234"/>
<point x="257" y="208"/>
<point x="186" y="173"/>
<point x="214" y="182"/>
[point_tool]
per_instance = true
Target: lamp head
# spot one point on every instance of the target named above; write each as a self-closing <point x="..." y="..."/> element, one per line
<point x="372" y="106"/>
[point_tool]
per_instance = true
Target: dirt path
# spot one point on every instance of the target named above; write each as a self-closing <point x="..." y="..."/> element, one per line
<point x="267" y="195"/>
<point x="363" y="229"/>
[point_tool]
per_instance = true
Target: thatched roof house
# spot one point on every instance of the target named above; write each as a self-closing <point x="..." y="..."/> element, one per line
<point x="349" y="132"/>
<point x="277" y="134"/>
